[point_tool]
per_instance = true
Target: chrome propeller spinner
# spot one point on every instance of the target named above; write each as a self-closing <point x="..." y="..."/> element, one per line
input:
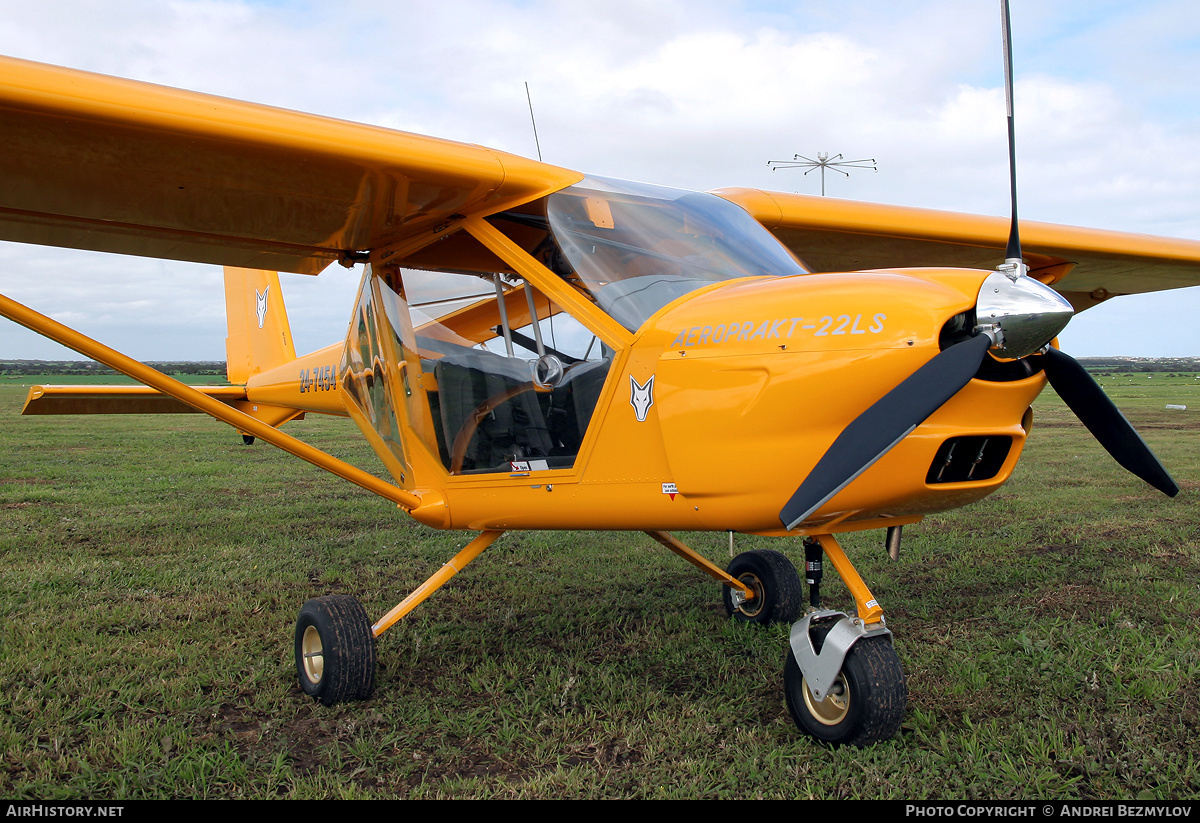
<point x="1021" y="314"/>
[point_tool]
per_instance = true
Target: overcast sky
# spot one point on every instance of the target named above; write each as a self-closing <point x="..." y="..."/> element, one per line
<point x="697" y="94"/>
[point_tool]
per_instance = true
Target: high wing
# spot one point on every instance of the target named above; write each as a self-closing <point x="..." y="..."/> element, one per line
<point x="106" y="164"/>
<point x="1086" y="266"/>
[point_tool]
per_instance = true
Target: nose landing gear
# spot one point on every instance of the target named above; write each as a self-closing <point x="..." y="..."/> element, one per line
<point x="841" y="695"/>
<point x="842" y="680"/>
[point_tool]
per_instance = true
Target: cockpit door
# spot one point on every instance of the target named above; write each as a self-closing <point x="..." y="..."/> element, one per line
<point x="375" y="371"/>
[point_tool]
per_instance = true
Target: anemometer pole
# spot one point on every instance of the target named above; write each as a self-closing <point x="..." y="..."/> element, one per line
<point x="823" y="162"/>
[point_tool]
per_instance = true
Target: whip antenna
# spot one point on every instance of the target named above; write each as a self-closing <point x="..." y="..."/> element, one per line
<point x="532" y="120"/>
<point x="1012" y="254"/>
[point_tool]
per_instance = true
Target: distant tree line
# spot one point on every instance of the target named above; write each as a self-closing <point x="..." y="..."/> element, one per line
<point x="1138" y="365"/>
<point x="78" y="367"/>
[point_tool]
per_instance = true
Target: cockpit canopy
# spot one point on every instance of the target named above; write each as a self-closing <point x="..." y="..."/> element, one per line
<point x="636" y="247"/>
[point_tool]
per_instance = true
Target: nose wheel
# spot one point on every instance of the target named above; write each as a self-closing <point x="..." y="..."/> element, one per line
<point x="863" y="705"/>
<point x="842" y="680"/>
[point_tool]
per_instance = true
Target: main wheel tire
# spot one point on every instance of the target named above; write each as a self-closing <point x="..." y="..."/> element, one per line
<point x="335" y="650"/>
<point x="864" y="706"/>
<point x="778" y="593"/>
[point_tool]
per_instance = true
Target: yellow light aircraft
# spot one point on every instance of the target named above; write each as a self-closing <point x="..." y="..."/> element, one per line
<point x="533" y="348"/>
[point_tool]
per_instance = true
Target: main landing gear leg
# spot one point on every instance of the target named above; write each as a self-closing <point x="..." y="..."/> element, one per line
<point x="842" y="679"/>
<point x="335" y="641"/>
<point x="760" y="587"/>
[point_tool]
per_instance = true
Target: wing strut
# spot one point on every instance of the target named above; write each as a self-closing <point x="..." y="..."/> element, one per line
<point x="88" y="347"/>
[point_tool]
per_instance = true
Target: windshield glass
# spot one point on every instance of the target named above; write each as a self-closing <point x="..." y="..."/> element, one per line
<point x="637" y="247"/>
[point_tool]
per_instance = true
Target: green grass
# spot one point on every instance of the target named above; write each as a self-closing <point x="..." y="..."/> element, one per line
<point x="151" y="570"/>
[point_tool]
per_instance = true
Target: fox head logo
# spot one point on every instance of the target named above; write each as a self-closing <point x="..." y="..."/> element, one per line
<point x="641" y="397"/>
<point x="260" y="307"/>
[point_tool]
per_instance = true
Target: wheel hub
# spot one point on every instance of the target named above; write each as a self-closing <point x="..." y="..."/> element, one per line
<point x="314" y="654"/>
<point x="751" y="608"/>
<point x="834" y="708"/>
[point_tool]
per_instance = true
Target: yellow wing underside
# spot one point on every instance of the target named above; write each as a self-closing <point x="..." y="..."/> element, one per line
<point x="106" y="164"/>
<point x="1086" y="266"/>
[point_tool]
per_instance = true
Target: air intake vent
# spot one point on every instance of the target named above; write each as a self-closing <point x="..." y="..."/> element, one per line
<point x="961" y="459"/>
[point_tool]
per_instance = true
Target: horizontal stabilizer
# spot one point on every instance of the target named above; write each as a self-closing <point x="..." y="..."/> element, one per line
<point x="118" y="399"/>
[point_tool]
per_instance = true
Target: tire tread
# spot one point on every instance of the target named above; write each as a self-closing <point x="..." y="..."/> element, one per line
<point x="348" y="646"/>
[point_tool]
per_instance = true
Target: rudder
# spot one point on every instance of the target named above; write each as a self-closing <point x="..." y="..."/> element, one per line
<point x="260" y="337"/>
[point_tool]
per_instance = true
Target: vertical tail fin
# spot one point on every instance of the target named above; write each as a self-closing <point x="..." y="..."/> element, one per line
<point x="260" y="337"/>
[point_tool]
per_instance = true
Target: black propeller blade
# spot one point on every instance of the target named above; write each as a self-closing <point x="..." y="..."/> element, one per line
<point x="874" y="432"/>
<point x="1091" y="405"/>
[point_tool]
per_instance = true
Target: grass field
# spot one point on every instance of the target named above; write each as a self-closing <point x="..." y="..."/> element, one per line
<point x="152" y="569"/>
